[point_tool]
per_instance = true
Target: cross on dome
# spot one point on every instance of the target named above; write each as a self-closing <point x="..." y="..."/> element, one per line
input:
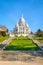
<point x="22" y="16"/>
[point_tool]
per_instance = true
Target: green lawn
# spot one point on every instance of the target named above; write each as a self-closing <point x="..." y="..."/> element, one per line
<point x="22" y="43"/>
<point x="39" y="38"/>
<point x="3" y="38"/>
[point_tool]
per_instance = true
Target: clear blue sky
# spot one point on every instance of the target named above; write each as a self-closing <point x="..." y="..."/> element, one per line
<point x="11" y="11"/>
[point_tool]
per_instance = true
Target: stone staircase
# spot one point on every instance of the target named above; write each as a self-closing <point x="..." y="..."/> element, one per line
<point x="36" y="42"/>
<point x="5" y="43"/>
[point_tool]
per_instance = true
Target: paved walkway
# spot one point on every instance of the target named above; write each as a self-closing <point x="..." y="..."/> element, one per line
<point x="5" y="43"/>
<point x="19" y="63"/>
<point x="36" y="42"/>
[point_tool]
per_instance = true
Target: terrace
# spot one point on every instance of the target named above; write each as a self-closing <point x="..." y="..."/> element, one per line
<point x="22" y="43"/>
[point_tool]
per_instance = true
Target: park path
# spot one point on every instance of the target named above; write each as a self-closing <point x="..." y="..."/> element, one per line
<point x="36" y="42"/>
<point x="5" y="43"/>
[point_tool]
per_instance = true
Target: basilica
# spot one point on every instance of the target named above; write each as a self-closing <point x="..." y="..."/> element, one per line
<point x="22" y="28"/>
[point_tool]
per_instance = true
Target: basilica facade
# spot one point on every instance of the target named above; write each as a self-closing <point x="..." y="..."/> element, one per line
<point x="22" y="28"/>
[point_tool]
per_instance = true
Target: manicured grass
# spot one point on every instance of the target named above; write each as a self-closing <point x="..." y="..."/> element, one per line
<point x="22" y="43"/>
<point x="3" y="38"/>
<point x="39" y="38"/>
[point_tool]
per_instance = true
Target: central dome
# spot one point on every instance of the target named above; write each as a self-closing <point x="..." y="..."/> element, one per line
<point x="22" y="21"/>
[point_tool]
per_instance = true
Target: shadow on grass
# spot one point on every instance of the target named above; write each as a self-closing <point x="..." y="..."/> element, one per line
<point x="2" y="45"/>
<point x="22" y="48"/>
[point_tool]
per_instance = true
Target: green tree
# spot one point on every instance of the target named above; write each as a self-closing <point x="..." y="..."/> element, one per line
<point x="39" y="32"/>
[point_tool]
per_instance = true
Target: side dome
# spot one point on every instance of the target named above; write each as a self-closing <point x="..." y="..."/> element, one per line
<point x="17" y="25"/>
<point x="26" y="25"/>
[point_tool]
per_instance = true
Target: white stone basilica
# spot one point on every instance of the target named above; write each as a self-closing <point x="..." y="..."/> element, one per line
<point x="22" y="28"/>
